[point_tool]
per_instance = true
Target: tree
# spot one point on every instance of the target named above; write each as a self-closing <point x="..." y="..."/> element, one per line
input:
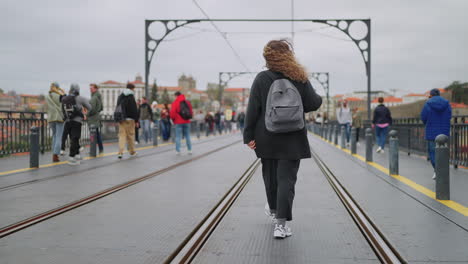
<point x="165" y="97"/>
<point x="459" y="92"/>
<point x="213" y="91"/>
<point x="196" y="103"/>
<point x="154" y="92"/>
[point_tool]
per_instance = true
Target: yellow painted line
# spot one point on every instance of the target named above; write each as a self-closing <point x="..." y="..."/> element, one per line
<point x="429" y="193"/>
<point x="85" y="158"/>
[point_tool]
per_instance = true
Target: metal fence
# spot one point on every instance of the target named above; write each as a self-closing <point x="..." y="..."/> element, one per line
<point x="411" y="136"/>
<point x="15" y="129"/>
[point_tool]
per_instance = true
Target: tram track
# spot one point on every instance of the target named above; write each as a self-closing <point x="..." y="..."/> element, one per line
<point x="19" y="225"/>
<point x="377" y="241"/>
<point x="192" y="244"/>
<point x="25" y="183"/>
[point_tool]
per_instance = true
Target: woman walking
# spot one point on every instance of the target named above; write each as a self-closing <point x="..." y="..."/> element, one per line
<point x="382" y="120"/>
<point x="280" y="152"/>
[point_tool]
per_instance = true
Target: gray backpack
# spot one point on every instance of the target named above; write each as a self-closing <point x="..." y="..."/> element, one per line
<point x="284" y="110"/>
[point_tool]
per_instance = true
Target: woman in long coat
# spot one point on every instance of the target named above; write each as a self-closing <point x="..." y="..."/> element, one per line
<point x="280" y="153"/>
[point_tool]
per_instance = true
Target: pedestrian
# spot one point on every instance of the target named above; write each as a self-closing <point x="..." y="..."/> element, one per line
<point x="381" y="121"/>
<point x="94" y="116"/>
<point x="210" y="123"/>
<point x="181" y="113"/>
<point x="165" y="123"/>
<point x="146" y="118"/>
<point x="217" y="120"/>
<point x="357" y="123"/>
<point x="156" y="113"/>
<point x="345" y="119"/>
<point x="137" y="127"/>
<point x="200" y="120"/>
<point x="74" y="109"/>
<point x="280" y="152"/>
<point x="127" y="126"/>
<point x="55" y="118"/>
<point x="436" y="115"/>
<point x="241" y="120"/>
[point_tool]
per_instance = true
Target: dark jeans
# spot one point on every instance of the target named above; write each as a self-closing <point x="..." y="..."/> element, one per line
<point x="73" y="129"/>
<point x="280" y="178"/>
<point x="381" y="134"/>
<point x="137" y="139"/>
<point x="357" y="133"/>
<point x="431" y="149"/>
<point x="99" y="139"/>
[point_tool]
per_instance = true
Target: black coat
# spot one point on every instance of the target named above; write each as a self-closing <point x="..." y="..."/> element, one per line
<point x="129" y="106"/>
<point x="382" y="115"/>
<point x="284" y="146"/>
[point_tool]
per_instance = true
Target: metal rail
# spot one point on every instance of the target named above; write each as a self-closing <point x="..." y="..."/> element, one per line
<point x="379" y="244"/>
<point x="192" y="244"/>
<point x="10" y="229"/>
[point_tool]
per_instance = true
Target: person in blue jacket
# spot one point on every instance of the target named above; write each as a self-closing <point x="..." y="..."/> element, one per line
<point x="436" y="115"/>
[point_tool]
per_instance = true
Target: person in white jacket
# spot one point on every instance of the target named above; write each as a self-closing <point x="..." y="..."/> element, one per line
<point x="344" y="116"/>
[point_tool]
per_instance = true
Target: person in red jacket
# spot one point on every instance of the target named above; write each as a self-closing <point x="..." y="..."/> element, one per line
<point x="181" y="116"/>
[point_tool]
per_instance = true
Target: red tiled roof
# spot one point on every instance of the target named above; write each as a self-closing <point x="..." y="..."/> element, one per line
<point x="169" y="88"/>
<point x="234" y="89"/>
<point x="29" y="95"/>
<point x="110" y="82"/>
<point x="338" y="96"/>
<point x="414" y="94"/>
<point x="199" y="92"/>
<point x="137" y="82"/>
<point x="389" y="99"/>
<point x="458" y="105"/>
<point x="353" y="99"/>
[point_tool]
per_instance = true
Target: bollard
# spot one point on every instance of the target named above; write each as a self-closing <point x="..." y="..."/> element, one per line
<point x="369" y="144"/>
<point x="173" y="133"/>
<point x="343" y="137"/>
<point x="330" y="133"/>
<point x="34" y="148"/>
<point x="393" y="153"/>
<point x="155" y="135"/>
<point x="336" y="134"/>
<point x="353" y="140"/>
<point x="442" y="171"/>
<point x="92" y="140"/>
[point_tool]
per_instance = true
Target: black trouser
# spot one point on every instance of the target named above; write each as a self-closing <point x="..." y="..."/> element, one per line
<point x="280" y="178"/>
<point x="357" y="133"/>
<point x="137" y="139"/>
<point x="64" y="136"/>
<point x="73" y="129"/>
<point x="99" y="139"/>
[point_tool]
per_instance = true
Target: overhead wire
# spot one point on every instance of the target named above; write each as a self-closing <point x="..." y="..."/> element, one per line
<point x="223" y="35"/>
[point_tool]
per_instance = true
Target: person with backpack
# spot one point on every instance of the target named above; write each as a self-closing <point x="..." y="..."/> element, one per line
<point x="55" y="118"/>
<point x="146" y="118"/>
<point x="240" y="120"/>
<point x="436" y="115"/>
<point x="382" y="121"/>
<point x="275" y="128"/>
<point x="73" y="106"/>
<point x="126" y="113"/>
<point x="94" y="116"/>
<point x="181" y="113"/>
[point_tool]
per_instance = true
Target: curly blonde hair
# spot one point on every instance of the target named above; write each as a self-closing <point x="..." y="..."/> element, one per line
<point x="279" y="57"/>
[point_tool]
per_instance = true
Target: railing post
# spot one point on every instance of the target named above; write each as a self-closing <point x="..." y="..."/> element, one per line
<point x="353" y="140"/>
<point x="336" y="134"/>
<point x="343" y="137"/>
<point x="34" y="148"/>
<point x="442" y="171"/>
<point x="368" y="144"/>
<point x="456" y="148"/>
<point x="155" y="135"/>
<point x="330" y="132"/>
<point x="393" y="155"/>
<point x="42" y="133"/>
<point x="92" y="140"/>
<point x="409" y="141"/>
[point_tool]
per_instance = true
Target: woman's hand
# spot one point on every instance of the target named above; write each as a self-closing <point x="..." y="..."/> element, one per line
<point x="252" y="144"/>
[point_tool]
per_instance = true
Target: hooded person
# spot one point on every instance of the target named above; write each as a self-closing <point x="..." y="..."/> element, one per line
<point x="55" y="118"/>
<point x="74" y="107"/>
<point x="94" y="116"/>
<point x="436" y="115"/>
<point x="127" y="126"/>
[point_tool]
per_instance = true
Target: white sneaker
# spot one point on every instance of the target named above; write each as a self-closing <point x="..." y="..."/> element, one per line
<point x="270" y="214"/>
<point x="81" y="149"/>
<point x="189" y="152"/>
<point x="382" y="151"/>
<point x="62" y="152"/>
<point x="119" y="156"/>
<point x="78" y="157"/>
<point x="73" y="161"/>
<point x="434" y="176"/>
<point x="282" y="231"/>
<point x="378" y="150"/>
<point x="136" y="142"/>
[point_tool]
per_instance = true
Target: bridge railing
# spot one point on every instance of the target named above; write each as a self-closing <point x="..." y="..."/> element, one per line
<point x="411" y="137"/>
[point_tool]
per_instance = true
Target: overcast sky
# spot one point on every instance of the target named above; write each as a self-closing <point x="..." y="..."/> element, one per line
<point x="416" y="45"/>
